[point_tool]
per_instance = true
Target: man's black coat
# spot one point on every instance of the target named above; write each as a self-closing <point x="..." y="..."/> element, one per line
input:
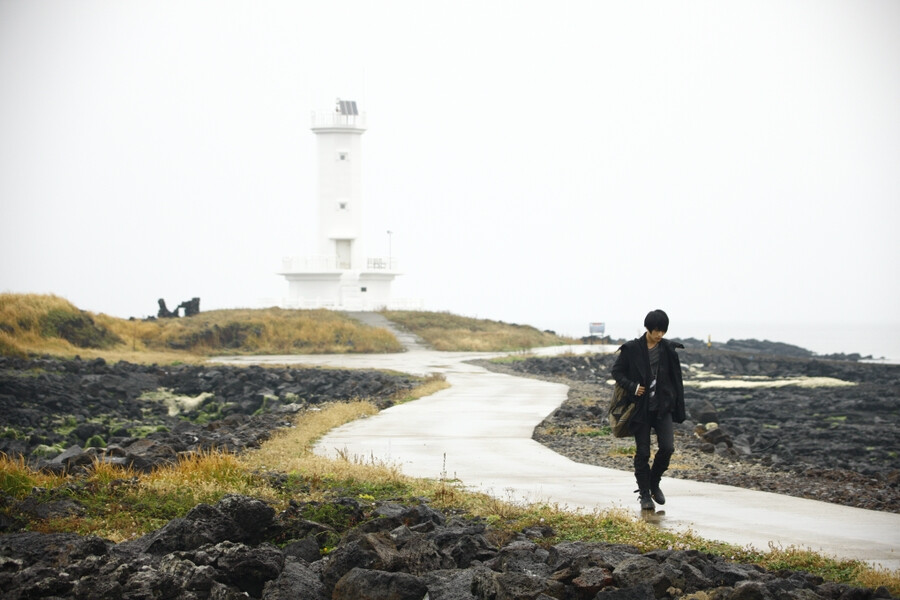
<point x="632" y="368"/>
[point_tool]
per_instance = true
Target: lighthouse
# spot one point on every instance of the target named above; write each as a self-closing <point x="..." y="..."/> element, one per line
<point x="341" y="275"/>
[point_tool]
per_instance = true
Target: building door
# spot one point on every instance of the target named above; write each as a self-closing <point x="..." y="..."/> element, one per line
<point x="342" y="249"/>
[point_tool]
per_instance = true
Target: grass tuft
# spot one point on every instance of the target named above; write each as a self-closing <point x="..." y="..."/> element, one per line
<point x="17" y="480"/>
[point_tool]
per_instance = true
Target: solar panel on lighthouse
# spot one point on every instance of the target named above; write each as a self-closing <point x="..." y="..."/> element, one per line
<point x="347" y="107"/>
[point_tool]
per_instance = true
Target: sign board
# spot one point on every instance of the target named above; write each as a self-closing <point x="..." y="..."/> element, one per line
<point x="598" y="328"/>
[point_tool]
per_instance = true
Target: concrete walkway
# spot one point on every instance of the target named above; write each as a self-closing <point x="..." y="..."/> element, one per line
<point x="479" y="431"/>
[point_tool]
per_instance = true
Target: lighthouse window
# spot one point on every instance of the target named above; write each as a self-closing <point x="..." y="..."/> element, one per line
<point x="342" y="206"/>
<point x="362" y="289"/>
<point x="343" y="156"/>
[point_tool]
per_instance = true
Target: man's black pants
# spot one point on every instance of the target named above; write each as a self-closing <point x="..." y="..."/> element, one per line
<point x="665" y="439"/>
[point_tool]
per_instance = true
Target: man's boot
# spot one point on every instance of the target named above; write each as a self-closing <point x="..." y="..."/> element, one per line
<point x="655" y="492"/>
<point x="645" y="500"/>
<point x="643" y="481"/>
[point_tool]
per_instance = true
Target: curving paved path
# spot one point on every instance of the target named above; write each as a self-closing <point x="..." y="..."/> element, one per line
<point x="479" y="431"/>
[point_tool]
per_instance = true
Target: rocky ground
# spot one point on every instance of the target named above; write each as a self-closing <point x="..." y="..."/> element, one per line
<point x="241" y="548"/>
<point x="839" y="444"/>
<point x="63" y="415"/>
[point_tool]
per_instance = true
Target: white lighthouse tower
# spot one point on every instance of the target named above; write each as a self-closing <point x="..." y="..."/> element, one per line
<point x="340" y="275"/>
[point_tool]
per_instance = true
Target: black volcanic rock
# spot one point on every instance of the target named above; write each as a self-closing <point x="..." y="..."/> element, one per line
<point x="53" y="409"/>
<point x="223" y="558"/>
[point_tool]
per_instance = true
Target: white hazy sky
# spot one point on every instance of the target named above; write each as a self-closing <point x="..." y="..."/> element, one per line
<point x="543" y="162"/>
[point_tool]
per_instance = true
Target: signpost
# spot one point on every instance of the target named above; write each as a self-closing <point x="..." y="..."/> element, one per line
<point x="597" y="330"/>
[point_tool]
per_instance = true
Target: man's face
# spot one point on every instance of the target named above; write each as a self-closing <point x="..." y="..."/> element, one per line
<point x="656" y="335"/>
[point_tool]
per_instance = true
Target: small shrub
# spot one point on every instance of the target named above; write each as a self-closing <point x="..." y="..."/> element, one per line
<point x="339" y="516"/>
<point x="95" y="441"/>
<point x="603" y="431"/>
<point x="45" y="451"/>
<point x="119" y="431"/>
<point x="67" y="426"/>
<point x="9" y="433"/>
<point x="267" y="398"/>
<point x="77" y="328"/>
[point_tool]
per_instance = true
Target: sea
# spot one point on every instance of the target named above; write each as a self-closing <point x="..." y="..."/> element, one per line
<point x="880" y="341"/>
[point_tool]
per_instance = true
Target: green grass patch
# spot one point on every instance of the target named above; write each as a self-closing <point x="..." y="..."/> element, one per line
<point x="602" y="431"/>
<point x="836" y="420"/>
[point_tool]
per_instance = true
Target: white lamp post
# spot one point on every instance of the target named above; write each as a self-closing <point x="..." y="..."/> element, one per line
<point x="390" y="255"/>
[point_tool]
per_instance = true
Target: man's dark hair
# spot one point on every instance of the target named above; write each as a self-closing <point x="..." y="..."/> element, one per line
<point x="656" y="320"/>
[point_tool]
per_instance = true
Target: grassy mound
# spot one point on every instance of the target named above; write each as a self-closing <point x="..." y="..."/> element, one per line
<point x="51" y="323"/>
<point x="449" y="332"/>
<point x="47" y="324"/>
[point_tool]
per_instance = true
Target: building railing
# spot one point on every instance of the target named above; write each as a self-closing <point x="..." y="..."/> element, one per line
<point x="320" y="263"/>
<point x="355" y="304"/>
<point x="336" y="119"/>
<point x="380" y="263"/>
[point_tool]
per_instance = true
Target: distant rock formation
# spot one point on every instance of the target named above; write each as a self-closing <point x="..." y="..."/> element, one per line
<point x="165" y="313"/>
<point x="191" y="307"/>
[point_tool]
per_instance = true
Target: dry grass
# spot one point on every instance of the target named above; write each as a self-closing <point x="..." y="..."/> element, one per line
<point x="290" y="450"/>
<point x="17" y="480"/>
<point x="210" y="474"/>
<point x="448" y="332"/>
<point x="271" y="331"/>
<point x="26" y="326"/>
<point x="287" y="449"/>
<point x="46" y="324"/>
<point x="431" y="384"/>
<point x="21" y="328"/>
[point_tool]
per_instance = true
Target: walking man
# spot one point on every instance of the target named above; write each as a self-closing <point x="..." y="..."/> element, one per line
<point x="649" y="369"/>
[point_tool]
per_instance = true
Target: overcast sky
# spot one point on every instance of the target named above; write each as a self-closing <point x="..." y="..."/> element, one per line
<point x="551" y="163"/>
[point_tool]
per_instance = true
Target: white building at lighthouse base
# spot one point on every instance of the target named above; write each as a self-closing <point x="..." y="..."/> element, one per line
<point x="316" y="282"/>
